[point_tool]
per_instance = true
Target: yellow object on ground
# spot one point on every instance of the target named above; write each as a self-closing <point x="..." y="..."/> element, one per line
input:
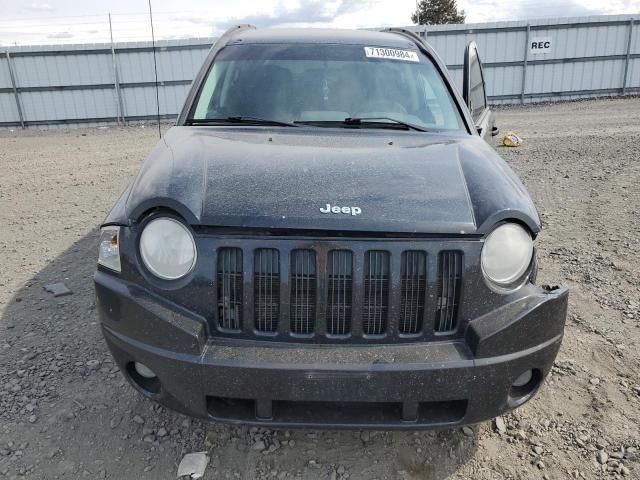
<point x="511" y="139"/>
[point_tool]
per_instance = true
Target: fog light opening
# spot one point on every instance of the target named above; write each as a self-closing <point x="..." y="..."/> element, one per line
<point x="524" y="386"/>
<point x="144" y="378"/>
<point x="521" y="381"/>
<point x="145" y="371"/>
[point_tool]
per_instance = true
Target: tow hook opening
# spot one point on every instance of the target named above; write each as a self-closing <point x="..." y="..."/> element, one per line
<point x="524" y="386"/>
<point x="549" y="288"/>
<point x="144" y="378"/>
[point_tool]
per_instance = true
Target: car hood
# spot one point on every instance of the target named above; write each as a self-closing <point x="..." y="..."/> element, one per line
<point x="400" y="182"/>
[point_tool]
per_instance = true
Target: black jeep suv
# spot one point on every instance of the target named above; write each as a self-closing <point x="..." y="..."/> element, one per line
<point x="325" y="239"/>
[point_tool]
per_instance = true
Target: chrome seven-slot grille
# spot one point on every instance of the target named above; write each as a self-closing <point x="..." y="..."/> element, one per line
<point x="336" y="294"/>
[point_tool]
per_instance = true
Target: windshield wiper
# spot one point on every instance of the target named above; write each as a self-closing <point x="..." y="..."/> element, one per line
<point x="241" y="120"/>
<point x="369" y="122"/>
<point x="361" y="120"/>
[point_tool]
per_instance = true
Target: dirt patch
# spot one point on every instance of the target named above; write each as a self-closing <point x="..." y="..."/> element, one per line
<point x="66" y="411"/>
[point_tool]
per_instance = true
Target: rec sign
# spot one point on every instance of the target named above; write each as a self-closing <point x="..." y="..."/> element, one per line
<point x="540" y="45"/>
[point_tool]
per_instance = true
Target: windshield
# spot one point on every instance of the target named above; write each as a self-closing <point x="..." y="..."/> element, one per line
<point x="326" y="83"/>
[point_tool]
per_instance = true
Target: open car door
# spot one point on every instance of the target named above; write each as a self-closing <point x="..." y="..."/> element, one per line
<point x="474" y="92"/>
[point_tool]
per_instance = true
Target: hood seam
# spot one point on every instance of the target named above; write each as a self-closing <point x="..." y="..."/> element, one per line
<point x="466" y="188"/>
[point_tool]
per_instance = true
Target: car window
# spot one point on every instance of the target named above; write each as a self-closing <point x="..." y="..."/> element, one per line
<point x="476" y="87"/>
<point x="325" y="83"/>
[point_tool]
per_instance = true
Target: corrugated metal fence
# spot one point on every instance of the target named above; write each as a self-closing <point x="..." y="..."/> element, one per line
<point x="587" y="56"/>
<point x="89" y="84"/>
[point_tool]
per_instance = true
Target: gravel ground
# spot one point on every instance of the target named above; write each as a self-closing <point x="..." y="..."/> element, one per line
<point x="66" y="412"/>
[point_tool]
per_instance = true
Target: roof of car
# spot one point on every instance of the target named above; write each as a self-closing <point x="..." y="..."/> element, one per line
<point x="324" y="36"/>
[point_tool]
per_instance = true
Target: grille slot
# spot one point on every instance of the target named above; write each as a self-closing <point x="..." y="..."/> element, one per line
<point x="339" y="288"/>
<point x="376" y="292"/>
<point x="413" y="283"/>
<point x="266" y="293"/>
<point x="230" y="288"/>
<point x="303" y="291"/>
<point x="449" y="286"/>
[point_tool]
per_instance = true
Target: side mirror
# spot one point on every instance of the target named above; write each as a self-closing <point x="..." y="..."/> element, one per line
<point x="494" y="130"/>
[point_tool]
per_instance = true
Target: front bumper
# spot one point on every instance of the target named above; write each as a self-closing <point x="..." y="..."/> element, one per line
<point x="418" y="385"/>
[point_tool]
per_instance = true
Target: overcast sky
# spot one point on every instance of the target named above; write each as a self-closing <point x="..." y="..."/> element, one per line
<point x="85" y="21"/>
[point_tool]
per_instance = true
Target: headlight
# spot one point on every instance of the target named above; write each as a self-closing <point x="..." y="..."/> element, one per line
<point x="506" y="254"/>
<point x="167" y="248"/>
<point x="109" y="248"/>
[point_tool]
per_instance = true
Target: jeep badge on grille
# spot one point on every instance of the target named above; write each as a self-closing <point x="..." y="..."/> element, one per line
<point x="346" y="210"/>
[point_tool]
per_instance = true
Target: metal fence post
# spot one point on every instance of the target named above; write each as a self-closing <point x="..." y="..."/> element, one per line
<point x="524" y="63"/>
<point x="116" y="78"/>
<point x="626" y="60"/>
<point x="15" y="89"/>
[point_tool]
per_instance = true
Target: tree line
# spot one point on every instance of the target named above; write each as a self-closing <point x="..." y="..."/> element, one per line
<point x="433" y="12"/>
